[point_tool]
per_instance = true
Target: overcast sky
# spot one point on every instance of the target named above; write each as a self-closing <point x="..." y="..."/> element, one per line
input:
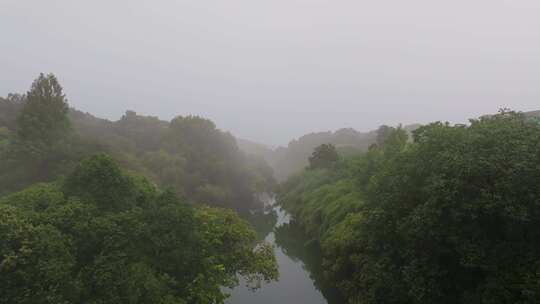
<point x="271" y="70"/>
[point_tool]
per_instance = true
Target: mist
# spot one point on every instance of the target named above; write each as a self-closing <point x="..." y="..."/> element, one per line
<point x="295" y="152"/>
<point x="257" y="67"/>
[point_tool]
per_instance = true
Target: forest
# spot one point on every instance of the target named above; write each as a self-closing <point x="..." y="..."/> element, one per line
<point x="270" y="152"/>
<point x="134" y="211"/>
<point x="142" y="210"/>
<point x="42" y="139"/>
<point x="449" y="216"/>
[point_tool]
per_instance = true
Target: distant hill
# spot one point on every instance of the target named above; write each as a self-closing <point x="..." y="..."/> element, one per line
<point x="188" y="154"/>
<point x="533" y="114"/>
<point x="294" y="157"/>
<point x="254" y="148"/>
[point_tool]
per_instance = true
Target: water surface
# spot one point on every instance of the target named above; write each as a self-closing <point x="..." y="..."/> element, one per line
<point x="295" y="284"/>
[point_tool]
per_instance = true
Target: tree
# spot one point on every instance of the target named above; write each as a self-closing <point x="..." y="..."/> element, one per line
<point x="105" y="236"/>
<point x="449" y="218"/>
<point x="98" y="179"/>
<point x="453" y="218"/>
<point x="4" y="137"/>
<point x="395" y="141"/>
<point x="43" y="118"/>
<point x="40" y="146"/>
<point x="10" y="108"/>
<point x="35" y="261"/>
<point x="324" y="156"/>
<point x="187" y="153"/>
<point x="382" y="134"/>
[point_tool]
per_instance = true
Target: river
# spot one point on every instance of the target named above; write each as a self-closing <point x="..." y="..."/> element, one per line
<point x="298" y="264"/>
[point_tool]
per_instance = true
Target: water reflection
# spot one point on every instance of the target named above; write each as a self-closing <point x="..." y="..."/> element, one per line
<point x="296" y="245"/>
<point x="263" y="221"/>
<point x="300" y="280"/>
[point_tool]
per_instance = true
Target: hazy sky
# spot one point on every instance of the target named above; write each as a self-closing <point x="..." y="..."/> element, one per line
<point x="276" y="69"/>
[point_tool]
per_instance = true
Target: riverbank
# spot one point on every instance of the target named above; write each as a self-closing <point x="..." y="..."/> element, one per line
<point x="295" y="283"/>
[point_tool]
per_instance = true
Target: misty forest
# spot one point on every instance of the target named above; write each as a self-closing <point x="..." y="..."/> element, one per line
<point x="142" y="210"/>
<point x="430" y="199"/>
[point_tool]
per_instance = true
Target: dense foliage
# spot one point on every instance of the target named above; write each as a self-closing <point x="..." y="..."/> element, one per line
<point x="43" y="119"/>
<point x="38" y="141"/>
<point x="104" y="236"/>
<point x="324" y="156"/>
<point x="97" y="234"/>
<point x="41" y="140"/>
<point x="452" y="217"/>
<point x="292" y="159"/>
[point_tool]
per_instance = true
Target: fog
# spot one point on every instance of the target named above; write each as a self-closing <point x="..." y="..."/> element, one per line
<point x="273" y="70"/>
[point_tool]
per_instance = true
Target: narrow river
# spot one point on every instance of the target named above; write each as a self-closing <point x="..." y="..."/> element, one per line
<point x="295" y="284"/>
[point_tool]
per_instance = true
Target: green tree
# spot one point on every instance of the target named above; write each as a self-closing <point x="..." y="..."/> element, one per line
<point x="43" y="118"/>
<point x="35" y="261"/>
<point x="98" y="179"/>
<point x="449" y="218"/>
<point x="324" y="156"/>
<point x="188" y="154"/>
<point x="395" y="141"/>
<point x="382" y="134"/>
<point x="5" y="136"/>
<point x="105" y="236"/>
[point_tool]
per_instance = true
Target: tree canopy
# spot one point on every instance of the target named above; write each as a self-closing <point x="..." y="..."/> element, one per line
<point x="41" y="139"/>
<point x="80" y="224"/>
<point x="104" y="236"/>
<point x="324" y="156"/>
<point x="43" y="117"/>
<point x="450" y="218"/>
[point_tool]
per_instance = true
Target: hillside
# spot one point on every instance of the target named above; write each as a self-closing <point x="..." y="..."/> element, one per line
<point x="452" y="215"/>
<point x="188" y="154"/>
<point x="291" y="159"/>
<point x="532" y="114"/>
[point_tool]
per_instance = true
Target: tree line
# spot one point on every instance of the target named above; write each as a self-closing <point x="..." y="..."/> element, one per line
<point x="42" y="139"/>
<point x="451" y="216"/>
<point x="80" y="222"/>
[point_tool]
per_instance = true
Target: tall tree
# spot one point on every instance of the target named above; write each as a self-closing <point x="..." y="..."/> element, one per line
<point x="43" y="119"/>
